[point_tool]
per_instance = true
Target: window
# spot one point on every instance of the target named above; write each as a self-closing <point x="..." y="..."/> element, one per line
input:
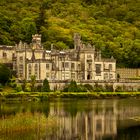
<point x="29" y="71"/>
<point x="21" y="58"/>
<point x="13" y="55"/>
<point x="72" y="66"/>
<point x="36" y="71"/>
<point x="79" y="66"/>
<point x="110" y="67"/>
<point x="110" y="76"/>
<point x="99" y="125"/>
<point x="72" y="75"/>
<point x="47" y="76"/>
<point x="98" y="69"/>
<point x="66" y="64"/>
<point x="47" y="66"/>
<point x="20" y="70"/>
<point x="105" y="67"/>
<point x="79" y="76"/>
<point x="4" y="55"/>
<point x="89" y="56"/>
<point x="89" y="67"/>
<point x="63" y="66"/>
<point x="105" y="76"/>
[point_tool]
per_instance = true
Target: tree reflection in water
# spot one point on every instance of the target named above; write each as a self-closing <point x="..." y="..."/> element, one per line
<point x="85" y="119"/>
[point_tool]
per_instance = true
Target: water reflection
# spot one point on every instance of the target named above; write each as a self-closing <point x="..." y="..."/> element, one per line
<point x="85" y="119"/>
<point x="93" y="120"/>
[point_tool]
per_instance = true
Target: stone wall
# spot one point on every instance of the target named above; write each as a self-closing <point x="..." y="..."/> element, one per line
<point x="128" y="72"/>
<point x="129" y="86"/>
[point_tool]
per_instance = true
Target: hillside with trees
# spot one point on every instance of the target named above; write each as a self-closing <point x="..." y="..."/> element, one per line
<point x="110" y="25"/>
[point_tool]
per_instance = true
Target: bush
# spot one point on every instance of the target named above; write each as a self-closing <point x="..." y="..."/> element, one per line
<point x="46" y="86"/>
<point x="12" y="82"/>
<point x="39" y="88"/>
<point x="119" y="89"/>
<point x="88" y="87"/>
<point x="108" y="88"/>
<point x="5" y="74"/>
<point x="19" y="88"/>
<point x="65" y="88"/>
<point x="98" y="88"/>
<point x="81" y="88"/>
<point x="27" y="87"/>
<point x="72" y="87"/>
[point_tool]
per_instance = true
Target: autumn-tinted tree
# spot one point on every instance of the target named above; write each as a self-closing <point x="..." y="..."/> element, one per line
<point x="113" y="26"/>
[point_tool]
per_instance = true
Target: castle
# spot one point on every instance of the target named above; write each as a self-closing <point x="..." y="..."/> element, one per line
<point x="83" y="63"/>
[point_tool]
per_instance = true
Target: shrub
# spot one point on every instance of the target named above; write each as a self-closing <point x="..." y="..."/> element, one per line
<point x="12" y="82"/>
<point x="5" y="74"/>
<point x="72" y="87"/>
<point x="19" y="88"/>
<point x="39" y="88"/>
<point x="98" y="88"/>
<point x="28" y="87"/>
<point x="88" y="87"/>
<point x="119" y="89"/>
<point x="108" y="88"/>
<point x="65" y="88"/>
<point x="81" y="88"/>
<point x="46" y="86"/>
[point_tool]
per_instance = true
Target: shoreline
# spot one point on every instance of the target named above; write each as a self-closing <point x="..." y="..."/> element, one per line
<point x="44" y="96"/>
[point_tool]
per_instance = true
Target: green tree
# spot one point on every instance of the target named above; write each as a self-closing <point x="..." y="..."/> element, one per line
<point x="73" y="86"/>
<point x="33" y="82"/>
<point x="5" y="74"/>
<point x="28" y="29"/>
<point x="46" y="86"/>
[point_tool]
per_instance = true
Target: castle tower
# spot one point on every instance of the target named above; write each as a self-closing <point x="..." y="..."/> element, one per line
<point x="77" y="41"/>
<point x="36" y="41"/>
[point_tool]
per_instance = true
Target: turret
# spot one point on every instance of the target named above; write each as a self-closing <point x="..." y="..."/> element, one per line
<point x="77" y="41"/>
<point x="36" y="41"/>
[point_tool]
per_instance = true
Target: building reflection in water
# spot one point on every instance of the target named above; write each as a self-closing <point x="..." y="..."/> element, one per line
<point x="100" y="122"/>
<point x="95" y="124"/>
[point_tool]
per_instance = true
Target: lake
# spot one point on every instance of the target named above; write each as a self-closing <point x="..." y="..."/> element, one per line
<point x="71" y="119"/>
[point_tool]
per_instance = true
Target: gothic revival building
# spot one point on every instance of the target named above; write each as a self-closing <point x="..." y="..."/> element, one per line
<point x="82" y="63"/>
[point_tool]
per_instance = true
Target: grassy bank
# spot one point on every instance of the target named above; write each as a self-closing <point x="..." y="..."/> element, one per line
<point x="37" y="96"/>
<point x="22" y="123"/>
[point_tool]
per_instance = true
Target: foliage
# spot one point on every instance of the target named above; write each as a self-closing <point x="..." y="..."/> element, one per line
<point x="72" y="86"/>
<point x="12" y="82"/>
<point x="81" y="88"/>
<point x="33" y="81"/>
<point x="18" y="88"/>
<point x="1" y="87"/>
<point x="27" y="87"/>
<point x="39" y="88"/>
<point x="46" y="86"/>
<point x="108" y="88"/>
<point x="112" y="26"/>
<point x="24" y="85"/>
<point x="27" y="122"/>
<point x="88" y="87"/>
<point x="98" y="88"/>
<point x="119" y="89"/>
<point x="5" y="74"/>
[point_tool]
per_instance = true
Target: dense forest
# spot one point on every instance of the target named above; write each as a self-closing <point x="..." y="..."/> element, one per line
<point x="110" y="25"/>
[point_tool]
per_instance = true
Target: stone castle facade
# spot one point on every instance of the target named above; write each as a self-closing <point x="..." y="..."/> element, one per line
<point x="83" y="63"/>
